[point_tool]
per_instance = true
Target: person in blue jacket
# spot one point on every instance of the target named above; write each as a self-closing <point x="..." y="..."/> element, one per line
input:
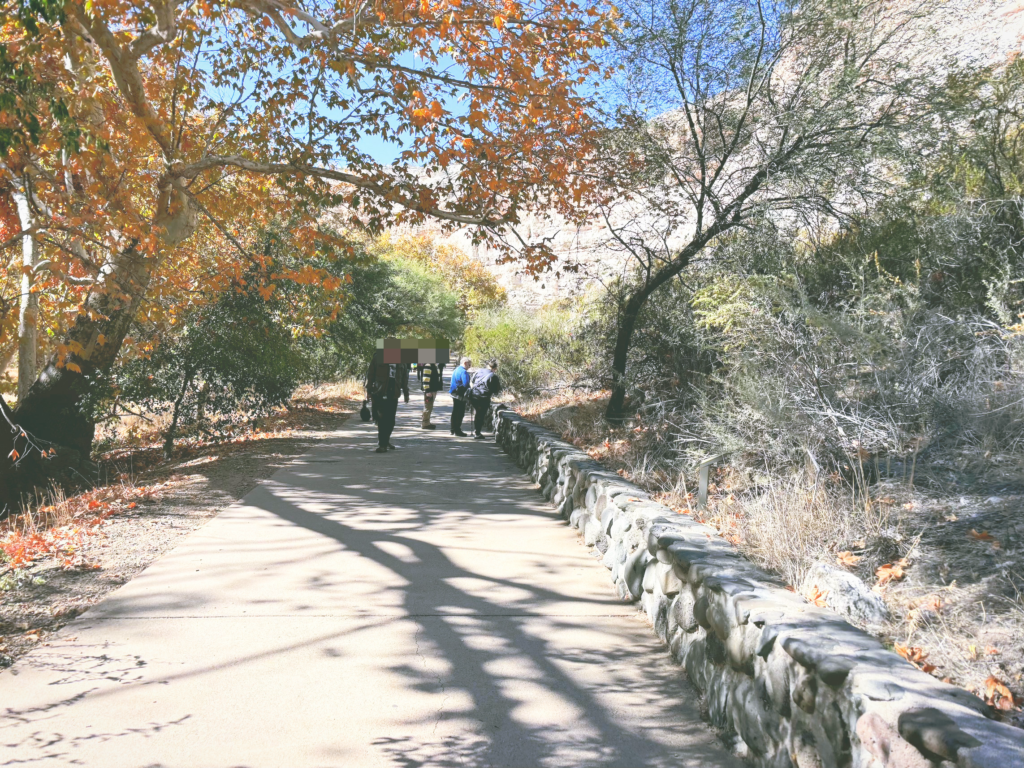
<point x="460" y="394"/>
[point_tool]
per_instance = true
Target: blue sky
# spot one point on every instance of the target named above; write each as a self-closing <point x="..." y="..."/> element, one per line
<point x="379" y="150"/>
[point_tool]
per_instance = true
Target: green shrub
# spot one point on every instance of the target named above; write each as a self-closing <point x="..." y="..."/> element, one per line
<point x="383" y="294"/>
<point x="540" y="350"/>
<point x="232" y="355"/>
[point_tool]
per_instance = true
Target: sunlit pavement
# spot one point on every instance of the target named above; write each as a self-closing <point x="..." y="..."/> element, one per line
<point x="419" y="607"/>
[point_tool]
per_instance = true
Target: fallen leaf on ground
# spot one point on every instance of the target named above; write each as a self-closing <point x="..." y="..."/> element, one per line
<point x="890" y="572"/>
<point x="848" y="558"/>
<point x="817" y="596"/>
<point x="982" y="536"/>
<point x="972" y="652"/>
<point x="915" y="656"/>
<point x="998" y="695"/>
<point x="991" y="651"/>
<point x="930" y="604"/>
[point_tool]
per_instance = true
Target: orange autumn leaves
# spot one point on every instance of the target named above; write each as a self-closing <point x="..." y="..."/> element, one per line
<point x="915" y="656"/>
<point x="994" y="692"/>
<point x="885" y="573"/>
<point x="818" y="596"/>
<point x="997" y="695"/>
<point x="984" y="536"/>
<point x="60" y="530"/>
<point x="890" y="572"/>
<point x="848" y="559"/>
<point x="188" y="149"/>
<point x="525" y="123"/>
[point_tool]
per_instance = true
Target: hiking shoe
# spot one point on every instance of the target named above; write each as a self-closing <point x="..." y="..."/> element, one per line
<point x="429" y="426"/>
<point x="392" y="446"/>
<point x="460" y="433"/>
<point x="479" y="436"/>
<point x="380" y="449"/>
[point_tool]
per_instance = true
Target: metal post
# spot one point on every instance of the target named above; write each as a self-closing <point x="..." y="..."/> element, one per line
<point x="702" y="484"/>
<point x="703" y="474"/>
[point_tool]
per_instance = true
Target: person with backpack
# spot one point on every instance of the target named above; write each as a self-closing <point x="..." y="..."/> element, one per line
<point x="432" y="378"/>
<point x="459" y="391"/>
<point x="383" y="383"/>
<point x="484" y="385"/>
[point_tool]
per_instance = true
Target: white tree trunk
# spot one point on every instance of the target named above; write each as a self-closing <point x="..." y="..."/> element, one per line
<point x="28" y="316"/>
<point x="7" y="354"/>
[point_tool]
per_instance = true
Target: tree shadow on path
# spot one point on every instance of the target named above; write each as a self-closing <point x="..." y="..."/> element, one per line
<point x="491" y="650"/>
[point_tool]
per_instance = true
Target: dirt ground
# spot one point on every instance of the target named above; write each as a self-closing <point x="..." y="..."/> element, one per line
<point x="961" y="598"/>
<point x="182" y="495"/>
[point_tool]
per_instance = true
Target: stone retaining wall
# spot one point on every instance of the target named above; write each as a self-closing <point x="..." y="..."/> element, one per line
<point x="797" y="684"/>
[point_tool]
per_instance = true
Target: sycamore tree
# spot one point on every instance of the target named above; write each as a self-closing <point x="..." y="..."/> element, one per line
<point x="143" y="146"/>
<point x="731" y="112"/>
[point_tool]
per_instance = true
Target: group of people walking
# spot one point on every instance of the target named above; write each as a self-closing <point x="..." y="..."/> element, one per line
<point x="385" y="382"/>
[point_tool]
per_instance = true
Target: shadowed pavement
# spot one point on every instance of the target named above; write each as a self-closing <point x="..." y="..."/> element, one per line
<point x="423" y="607"/>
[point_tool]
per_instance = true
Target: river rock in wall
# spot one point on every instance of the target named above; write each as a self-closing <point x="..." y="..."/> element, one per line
<point x="846" y="594"/>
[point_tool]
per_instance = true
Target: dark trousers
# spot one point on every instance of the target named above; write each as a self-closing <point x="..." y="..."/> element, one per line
<point x="386" y="409"/>
<point x="458" y="412"/>
<point x="481" y="407"/>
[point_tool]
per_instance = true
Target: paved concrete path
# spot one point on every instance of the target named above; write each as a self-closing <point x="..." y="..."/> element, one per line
<point x="423" y="607"/>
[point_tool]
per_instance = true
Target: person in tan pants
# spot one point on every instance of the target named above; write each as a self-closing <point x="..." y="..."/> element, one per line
<point x="433" y="380"/>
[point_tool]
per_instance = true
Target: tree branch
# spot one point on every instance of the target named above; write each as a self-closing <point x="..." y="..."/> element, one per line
<point x="191" y="170"/>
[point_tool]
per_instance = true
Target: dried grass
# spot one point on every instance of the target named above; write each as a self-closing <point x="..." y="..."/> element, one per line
<point x="330" y="393"/>
<point x="788" y="527"/>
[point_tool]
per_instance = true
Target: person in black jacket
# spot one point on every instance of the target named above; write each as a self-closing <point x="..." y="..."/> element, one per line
<point x="483" y="386"/>
<point x="432" y="378"/>
<point x="383" y="383"/>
